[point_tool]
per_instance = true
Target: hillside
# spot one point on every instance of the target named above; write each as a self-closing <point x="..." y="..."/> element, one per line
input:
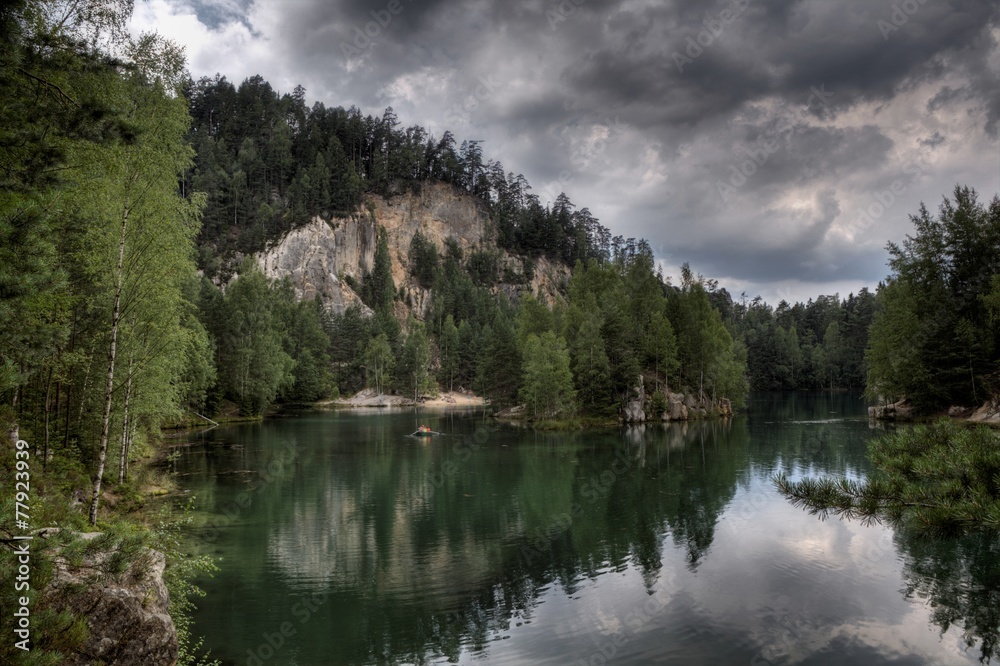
<point x="325" y="257"/>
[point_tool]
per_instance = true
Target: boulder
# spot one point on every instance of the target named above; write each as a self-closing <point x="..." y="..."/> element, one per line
<point x="635" y="408"/>
<point x="127" y="614"/>
<point x="988" y="413"/>
<point x="894" y="411"/>
<point x="676" y="411"/>
<point x="957" y="412"/>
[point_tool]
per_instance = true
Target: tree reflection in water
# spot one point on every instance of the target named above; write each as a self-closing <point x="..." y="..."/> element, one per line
<point x="959" y="579"/>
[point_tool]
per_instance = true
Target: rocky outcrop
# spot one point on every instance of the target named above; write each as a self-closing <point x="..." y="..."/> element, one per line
<point x="320" y="256"/>
<point x="901" y="410"/>
<point x="635" y="409"/>
<point x="689" y="406"/>
<point x="676" y="409"/>
<point x="324" y="257"/>
<point x="988" y="413"/>
<point x="127" y="614"/>
<point x="677" y="406"/>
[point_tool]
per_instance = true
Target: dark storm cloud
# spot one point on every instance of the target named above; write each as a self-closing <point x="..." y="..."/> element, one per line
<point x="640" y="108"/>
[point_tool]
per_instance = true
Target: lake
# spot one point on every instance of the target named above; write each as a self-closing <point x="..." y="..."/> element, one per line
<point x="344" y="541"/>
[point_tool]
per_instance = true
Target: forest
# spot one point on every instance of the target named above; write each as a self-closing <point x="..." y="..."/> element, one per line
<point x="133" y="199"/>
<point x="133" y="194"/>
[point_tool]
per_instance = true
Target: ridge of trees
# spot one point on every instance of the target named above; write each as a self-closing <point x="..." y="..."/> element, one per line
<point x="269" y="163"/>
<point x="935" y="329"/>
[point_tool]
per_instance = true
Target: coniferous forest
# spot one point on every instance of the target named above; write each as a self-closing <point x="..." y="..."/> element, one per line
<point x="133" y="199"/>
<point x="132" y="195"/>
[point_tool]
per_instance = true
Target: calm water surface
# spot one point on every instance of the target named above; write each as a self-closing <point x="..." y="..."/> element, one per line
<point x="346" y="542"/>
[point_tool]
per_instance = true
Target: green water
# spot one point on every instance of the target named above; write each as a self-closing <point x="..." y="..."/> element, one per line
<point x="346" y="542"/>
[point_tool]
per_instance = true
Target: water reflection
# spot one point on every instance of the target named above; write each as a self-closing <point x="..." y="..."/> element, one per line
<point x="655" y="543"/>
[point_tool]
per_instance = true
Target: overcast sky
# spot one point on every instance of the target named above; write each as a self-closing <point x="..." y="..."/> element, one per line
<point x="776" y="145"/>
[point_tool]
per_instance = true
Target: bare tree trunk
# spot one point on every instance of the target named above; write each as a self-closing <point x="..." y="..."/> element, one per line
<point x="48" y="391"/>
<point x="123" y="460"/>
<point x="109" y="384"/>
<point x="69" y="404"/>
<point x="83" y="395"/>
<point x="131" y="436"/>
<point x="58" y="413"/>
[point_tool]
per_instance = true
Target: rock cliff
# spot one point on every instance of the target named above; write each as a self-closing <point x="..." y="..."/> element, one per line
<point x="324" y="256"/>
<point x="127" y="614"/>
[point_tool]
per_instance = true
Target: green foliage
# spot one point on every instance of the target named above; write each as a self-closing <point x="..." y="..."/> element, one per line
<point x="548" y="382"/>
<point x="254" y="366"/>
<point x="349" y="334"/>
<point x="413" y="375"/>
<point x="379" y="362"/>
<point x="940" y="478"/>
<point x="483" y="267"/>
<point x="817" y="344"/>
<point x="533" y="318"/>
<point x="448" y="345"/>
<point x="182" y="568"/>
<point x="932" y="340"/>
<point x="498" y="376"/>
<point x="423" y="260"/>
<point x="591" y="368"/>
<point x="307" y="343"/>
<point x="377" y="288"/>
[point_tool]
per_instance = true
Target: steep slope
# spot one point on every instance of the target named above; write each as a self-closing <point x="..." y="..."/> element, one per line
<point x="324" y="257"/>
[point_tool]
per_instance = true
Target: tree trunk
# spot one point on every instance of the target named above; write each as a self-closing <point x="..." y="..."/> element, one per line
<point x="109" y="384"/>
<point x="58" y="413"/>
<point x="48" y="393"/>
<point x="83" y="394"/>
<point x="123" y="460"/>
<point x="69" y="403"/>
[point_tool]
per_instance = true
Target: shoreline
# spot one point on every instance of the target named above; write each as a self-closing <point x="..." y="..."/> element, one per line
<point x="368" y="398"/>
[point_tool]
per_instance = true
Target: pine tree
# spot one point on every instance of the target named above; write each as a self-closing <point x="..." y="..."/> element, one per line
<point x="448" y="345"/>
<point x="591" y="368"/>
<point x="379" y="362"/>
<point x="547" y="389"/>
<point x="938" y="478"/>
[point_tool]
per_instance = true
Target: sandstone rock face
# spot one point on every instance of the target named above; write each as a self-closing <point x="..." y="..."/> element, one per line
<point x="677" y="410"/>
<point x="319" y="257"/>
<point x="635" y="409"/>
<point x="126" y="614"/>
<point x="440" y="211"/>
<point x="988" y="413"/>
